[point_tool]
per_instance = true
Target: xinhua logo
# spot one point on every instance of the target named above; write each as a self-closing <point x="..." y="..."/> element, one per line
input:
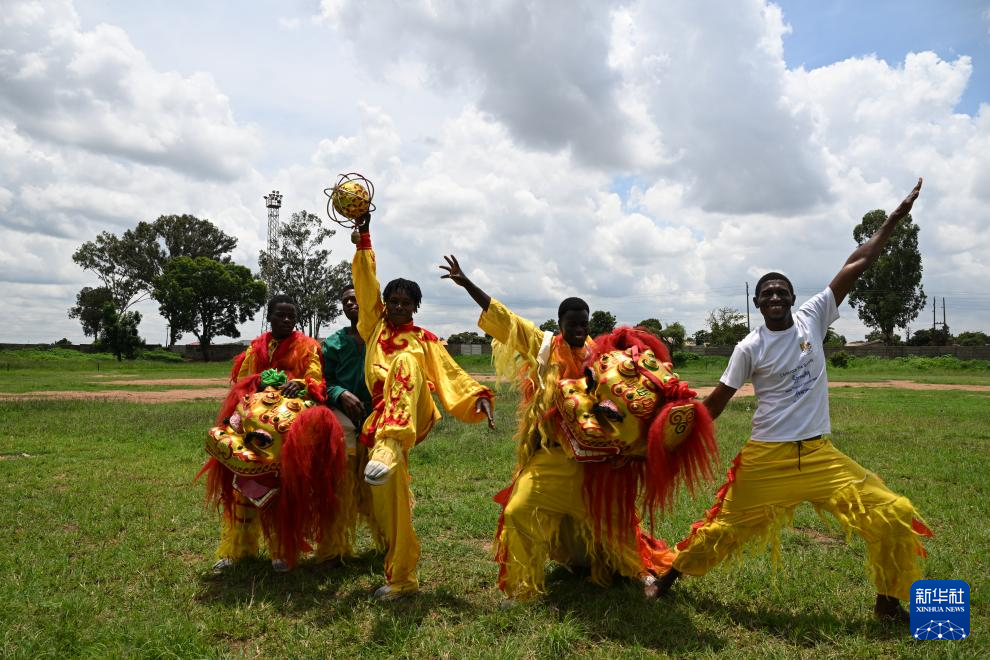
<point x="940" y="609"/>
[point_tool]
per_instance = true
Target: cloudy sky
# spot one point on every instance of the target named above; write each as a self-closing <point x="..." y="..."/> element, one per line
<point x="651" y="157"/>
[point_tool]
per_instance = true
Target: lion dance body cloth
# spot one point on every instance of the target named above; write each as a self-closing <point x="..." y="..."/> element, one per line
<point x="277" y="463"/>
<point x="606" y="431"/>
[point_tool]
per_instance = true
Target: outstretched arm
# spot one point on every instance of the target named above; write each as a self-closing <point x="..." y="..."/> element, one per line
<point x="719" y="397"/>
<point x="863" y="256"/>
<point x="457" y="276"/>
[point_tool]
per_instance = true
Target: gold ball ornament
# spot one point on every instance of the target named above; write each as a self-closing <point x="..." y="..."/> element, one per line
<point x="351" y="200"/>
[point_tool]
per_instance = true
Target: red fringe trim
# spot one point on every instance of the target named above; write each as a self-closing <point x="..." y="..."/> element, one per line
<point x="219" y="486"/>
<point x="313" y="461"/>
<point x="610" y="492"/>
<point x="502" y="555"/>
<point x="691" y="462"/>
<point x="719" y="498"/>
<point x="236" y="368"/>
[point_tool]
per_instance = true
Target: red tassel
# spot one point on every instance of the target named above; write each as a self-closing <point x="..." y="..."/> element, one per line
<point x="730" y="477"/>
<point x="313" y="461"/>
<point x="236" y="369"/>
<point x="689" y="463"/>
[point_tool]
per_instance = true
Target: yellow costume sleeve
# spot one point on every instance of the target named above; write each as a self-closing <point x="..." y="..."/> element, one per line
<point x="512" y="334"/>
<point x="457" y="391"/>
<point x="247" y="366"/>
<point x="314" y="366"/>
<point x="366" y="288"/>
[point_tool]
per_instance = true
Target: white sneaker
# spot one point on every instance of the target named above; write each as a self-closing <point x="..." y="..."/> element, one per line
<point x="386" y="593"/>
<point x="222" y="565"/>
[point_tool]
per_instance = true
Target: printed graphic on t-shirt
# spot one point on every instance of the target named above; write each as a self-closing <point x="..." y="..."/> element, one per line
<point x="800" y="378"/>
<point x="804" y="344"/>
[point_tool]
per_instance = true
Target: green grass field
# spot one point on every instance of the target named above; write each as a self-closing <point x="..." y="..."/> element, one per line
<point x="107" y="545"/>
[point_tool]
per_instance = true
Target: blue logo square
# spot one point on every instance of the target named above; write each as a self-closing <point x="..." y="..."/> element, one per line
<point x="940" y="609"/>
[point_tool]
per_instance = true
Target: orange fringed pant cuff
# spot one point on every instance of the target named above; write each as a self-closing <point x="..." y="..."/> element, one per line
<point x="764" y="486"/>
<point x="545" y="517"/>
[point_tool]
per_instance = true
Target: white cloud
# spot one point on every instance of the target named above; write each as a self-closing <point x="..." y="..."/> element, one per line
<point x="650" y="157"/>
<point x="94" y="90"/>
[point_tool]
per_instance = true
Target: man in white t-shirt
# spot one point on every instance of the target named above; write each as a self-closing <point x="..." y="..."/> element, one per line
<point x="789" y="458"/>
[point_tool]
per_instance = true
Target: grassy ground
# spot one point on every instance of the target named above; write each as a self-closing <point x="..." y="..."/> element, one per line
<point x="107" y="545"/>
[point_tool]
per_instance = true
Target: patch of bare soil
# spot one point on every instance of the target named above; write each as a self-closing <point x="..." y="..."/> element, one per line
<point x="165" y="396"/>
<point x="818" y="537"/>
<point x="219" y="382"/>
<point x="747" y="389"/>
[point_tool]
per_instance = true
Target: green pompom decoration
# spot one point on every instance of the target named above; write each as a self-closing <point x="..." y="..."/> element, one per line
<point x="273" y="378"/>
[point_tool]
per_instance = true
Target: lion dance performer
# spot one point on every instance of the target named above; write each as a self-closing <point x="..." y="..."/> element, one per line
<point x="404" y="364"/>
<point x="276" y="457"/>
<point x="590" y="446"/>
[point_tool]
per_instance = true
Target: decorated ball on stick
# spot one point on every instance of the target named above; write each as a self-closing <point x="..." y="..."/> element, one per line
<point x="349" y="199"/>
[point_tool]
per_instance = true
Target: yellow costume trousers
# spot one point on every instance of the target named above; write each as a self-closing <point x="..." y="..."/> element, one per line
<point x="546" y="518"/>
<point x="240" y="535"/>
<point x="766" y="484"/>
<point x="408" y="415"/>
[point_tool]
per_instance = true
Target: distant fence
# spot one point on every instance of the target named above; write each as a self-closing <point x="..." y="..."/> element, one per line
<point x="469" y="349"/>
<point x="961" y="352"/>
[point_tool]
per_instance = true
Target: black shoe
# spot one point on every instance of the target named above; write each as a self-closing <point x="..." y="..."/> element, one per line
<point x="888" y="608"/>
<point x="666" y="582"/>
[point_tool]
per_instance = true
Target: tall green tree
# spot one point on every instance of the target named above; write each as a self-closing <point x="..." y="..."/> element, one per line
<point x="653" y="326"/>
<point x="119" y="332"/>
<point x="601" y="322"/>
<point x="674" y="335"/>
<point x="972" y="338"/>
<point x="128" y="265"/>
<point x="833" y="338"/>
<point x="208" y="298"/>
<point x="301" y="268"/>
<point x="89" y="309"/>
<point x="889" y="294"/>
<point x="550" y="325"/>
<point x="111" y="259"/>
<point x="726" y="326"/>
<point x="152" y="245"/>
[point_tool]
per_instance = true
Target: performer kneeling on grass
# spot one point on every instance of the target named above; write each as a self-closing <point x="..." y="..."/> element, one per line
<point x="789" y="458"/>
<point x="603" y="423"/>
<point x="404" y="364"/>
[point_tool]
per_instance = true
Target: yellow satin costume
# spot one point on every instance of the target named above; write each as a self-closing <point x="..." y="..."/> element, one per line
<point x="404" y="366"/>
<point x="545" y="515"/>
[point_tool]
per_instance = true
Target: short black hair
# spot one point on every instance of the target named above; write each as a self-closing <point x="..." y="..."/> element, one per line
<point x="572" y="305"/>
<point x="347" y="287"/>
<point x="410" y="288"/>
<point x="282" y="298"/>
<point x="773" y="275"/>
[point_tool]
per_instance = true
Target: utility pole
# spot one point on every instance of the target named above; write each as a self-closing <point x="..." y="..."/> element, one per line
<point x="747" y="307"/>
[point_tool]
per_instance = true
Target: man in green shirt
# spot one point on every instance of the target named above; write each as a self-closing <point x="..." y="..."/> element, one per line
<point x="350" y="401"/>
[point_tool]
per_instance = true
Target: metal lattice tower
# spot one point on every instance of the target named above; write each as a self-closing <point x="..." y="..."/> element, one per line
<point x="273" y="202"/>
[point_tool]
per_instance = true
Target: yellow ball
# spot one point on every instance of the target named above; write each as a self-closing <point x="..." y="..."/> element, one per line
<point x="351" y="200"/>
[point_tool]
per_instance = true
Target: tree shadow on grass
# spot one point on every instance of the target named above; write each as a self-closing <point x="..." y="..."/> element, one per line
<point x="621" y="613"/>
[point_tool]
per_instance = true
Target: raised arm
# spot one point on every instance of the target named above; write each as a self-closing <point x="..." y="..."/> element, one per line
<point x="366" y="287"/>
<point x="457" y="276"/>
<point x="863" y="256"/>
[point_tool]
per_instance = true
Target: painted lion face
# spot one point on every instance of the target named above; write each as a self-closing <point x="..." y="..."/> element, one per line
<point x="608" y="412"/>
<point x="251" y="443"/>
